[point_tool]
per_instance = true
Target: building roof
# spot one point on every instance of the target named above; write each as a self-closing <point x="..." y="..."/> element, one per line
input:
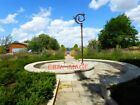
<point x="19" y="43"/>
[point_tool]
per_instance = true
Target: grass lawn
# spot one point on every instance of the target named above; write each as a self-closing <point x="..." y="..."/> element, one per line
<point x="19" y="87"/>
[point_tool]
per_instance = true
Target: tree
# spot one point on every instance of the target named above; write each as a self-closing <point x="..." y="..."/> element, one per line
<point x="75" y="50"/>
<point x="118" y="32"/>
<point x="62" y="48"/>
<point x="43" y="42"/>
<point x="34" y="45"/>
<point x="94" y="45"/>
<point x="26" y="41"/>
<point x="75" y="47"/>
<point x="138" y="43"/>
<point x="5" y="42"/>
<point x="53" y="44"/>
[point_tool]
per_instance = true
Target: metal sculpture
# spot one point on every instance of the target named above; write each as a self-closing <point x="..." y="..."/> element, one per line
<point x="79" y="19"/>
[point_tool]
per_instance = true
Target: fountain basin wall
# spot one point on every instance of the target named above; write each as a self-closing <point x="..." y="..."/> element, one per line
<point x="63" y="73"/>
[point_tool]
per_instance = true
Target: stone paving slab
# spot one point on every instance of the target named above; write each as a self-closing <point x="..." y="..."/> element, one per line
<point x="80" y="94"/>
<point x="89" y="91"/>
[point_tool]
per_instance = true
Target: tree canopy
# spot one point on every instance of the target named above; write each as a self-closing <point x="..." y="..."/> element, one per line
<point x="43" y="42"/>
<point x="118" y="32"/>
<point x="75" y="47"/>
<point x="62" y="48"/>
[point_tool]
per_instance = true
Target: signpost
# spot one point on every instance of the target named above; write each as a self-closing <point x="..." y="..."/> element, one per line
<point x="80" y="18"/>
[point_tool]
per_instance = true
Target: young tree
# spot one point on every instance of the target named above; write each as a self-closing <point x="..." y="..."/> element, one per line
<point x="118" y="32"/>
<point x="5" y="42"/>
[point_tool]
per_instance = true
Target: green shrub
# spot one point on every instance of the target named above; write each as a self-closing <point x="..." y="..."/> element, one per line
<point x="19" y="87"/>
<point x="7" y="76"/>
<point x="132" y="57"/>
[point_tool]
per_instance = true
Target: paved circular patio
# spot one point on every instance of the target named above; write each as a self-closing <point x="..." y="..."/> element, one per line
<point x="91" y="91"/>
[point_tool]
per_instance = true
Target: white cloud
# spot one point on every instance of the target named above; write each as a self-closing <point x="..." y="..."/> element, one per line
<point x="61" y="23"/>
<point x="123" y="5"/>
<point x="35" y="25"/>
<point x="9" y="19"/>
<point x="94" y="4"/>
<point x="64" y="31"/>
<point x="115" y="5"/>
<point x="68" y="34"/>
<point x="19" y="33"/>
<point x="2" y="30"/>
<point x="138" y="36"/>
<point x="38" y="23"/>
<point x="134" y="14"/>
<point x="21" y="10"/>
<point x="43" y="12"/>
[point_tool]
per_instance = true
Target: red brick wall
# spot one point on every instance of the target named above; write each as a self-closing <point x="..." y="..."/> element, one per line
<point x="16" y="45"/>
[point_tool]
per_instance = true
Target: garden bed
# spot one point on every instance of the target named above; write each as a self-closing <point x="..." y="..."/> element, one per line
<point x="19" y="87"/>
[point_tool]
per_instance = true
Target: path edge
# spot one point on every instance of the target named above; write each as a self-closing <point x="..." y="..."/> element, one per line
<point x="52" y="101"/>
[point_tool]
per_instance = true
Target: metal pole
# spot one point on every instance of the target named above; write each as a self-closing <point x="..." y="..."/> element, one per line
<point x="82" y="41"/>
<point x="80" y="18"/>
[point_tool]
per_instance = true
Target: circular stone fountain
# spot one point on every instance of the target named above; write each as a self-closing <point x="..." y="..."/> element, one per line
<point x="68" y="69"/>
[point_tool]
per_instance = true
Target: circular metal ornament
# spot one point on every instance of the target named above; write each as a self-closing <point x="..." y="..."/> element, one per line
<point x="79" y="18"/>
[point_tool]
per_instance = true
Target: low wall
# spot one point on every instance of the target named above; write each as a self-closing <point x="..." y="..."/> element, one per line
<point x="63" y="75"/>
<point x="128" y="71"/>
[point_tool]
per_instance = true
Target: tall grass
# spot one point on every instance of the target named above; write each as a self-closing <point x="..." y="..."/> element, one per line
<point x="122" y="55"/>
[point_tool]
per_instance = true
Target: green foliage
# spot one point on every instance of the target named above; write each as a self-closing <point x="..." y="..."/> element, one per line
<point x="75" y="51"/>
<point x="4" y="43"/>
<point x="117" y="54"/>
<point x="138" y="43"/>
<point x="53" y="44"/>
<point x="19" y="87"/>
<point x="43" y="42"/>
<point x="51" y="54"/>
<point x="62" y="48"/>
<point x="34" y="45"/>
<point x="0" y="49"/>
<point x="118" y="31"/>
<point x="94" y="45"/>
<point x="76" y="48"/>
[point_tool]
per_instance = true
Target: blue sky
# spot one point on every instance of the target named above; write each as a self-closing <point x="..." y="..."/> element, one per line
<point x="24" y="19"/>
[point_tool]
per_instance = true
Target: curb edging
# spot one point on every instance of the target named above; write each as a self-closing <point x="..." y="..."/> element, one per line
<point x="52" y="101"/>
